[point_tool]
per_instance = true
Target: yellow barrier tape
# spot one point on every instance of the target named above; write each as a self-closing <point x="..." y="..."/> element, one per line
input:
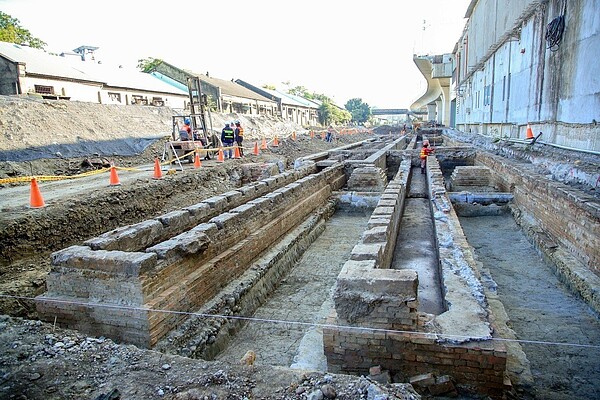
<point x="128" y="169"/>
<point x="48" y="178"/>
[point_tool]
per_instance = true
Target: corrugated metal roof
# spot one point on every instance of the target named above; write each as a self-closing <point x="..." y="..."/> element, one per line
<point x="41" y="63"/>
<point x="231" y="88"/>
<point x="291" y="99"/>
<point x="115" y="76"/>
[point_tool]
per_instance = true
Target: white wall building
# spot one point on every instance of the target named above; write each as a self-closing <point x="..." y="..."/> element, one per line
<point x="25" y="70"/>
<point x="530" y="61"/>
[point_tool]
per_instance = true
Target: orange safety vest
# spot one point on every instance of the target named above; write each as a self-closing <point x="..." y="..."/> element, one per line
<point x="240" y="131"/>
<point x="425" y="151"/>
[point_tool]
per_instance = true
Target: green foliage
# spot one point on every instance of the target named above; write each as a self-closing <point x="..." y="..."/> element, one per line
<point x="330" y="114"/>
<point x="12" y="32"/>
<point x="269" y="87"/>
<point x="361" y="112"/>
<point x="148" y="64"/>
<point x="299" y="91"/>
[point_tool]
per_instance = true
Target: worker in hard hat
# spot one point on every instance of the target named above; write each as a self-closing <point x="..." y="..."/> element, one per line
<point x="239" y="136"/>
<point x="228" y="137"/>
<point x="185" y="131"/>
<point x="425" y="152"/>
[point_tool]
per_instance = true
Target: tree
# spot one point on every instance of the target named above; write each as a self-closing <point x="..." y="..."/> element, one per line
<point x="148" y="64"/>
<point x="12" y="32"/>
<point x="299" y="91"/>
<point x="361" y="112"/>
<point x="330" y="114"/>
<point x="269" y="87"/>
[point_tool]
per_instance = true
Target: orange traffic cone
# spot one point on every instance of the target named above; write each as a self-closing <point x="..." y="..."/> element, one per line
<point x="275" y="142"/>
<point x="35" y="196"/>
<point x="236" y="151"/>
<point x="197" y="162"/>
<point x="263" y="145"/>
<point x="529" y="132"/>
<point x="114" y="178"/>
<point x="157" y="171"/>
<point x="255" y="148"/>
<point x="220" y="155"/>
<point x="312" y="134"/>
<point x="294" y="135"/>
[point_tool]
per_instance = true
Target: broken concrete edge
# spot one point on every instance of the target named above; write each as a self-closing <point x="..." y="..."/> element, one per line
<point x="364" y="293"/>
<point x="110" y="261"/>
<point x="466" y="317"/>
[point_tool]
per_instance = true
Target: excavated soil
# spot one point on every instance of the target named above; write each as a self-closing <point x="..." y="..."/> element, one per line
<point x="40" y="361"/>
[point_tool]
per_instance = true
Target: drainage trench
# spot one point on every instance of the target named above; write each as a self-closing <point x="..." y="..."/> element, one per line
<point x="303" y="295"/>
<point x="416" y="247"/>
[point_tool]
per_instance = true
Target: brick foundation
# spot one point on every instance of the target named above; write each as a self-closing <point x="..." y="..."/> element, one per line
<point x="178" y="261"/>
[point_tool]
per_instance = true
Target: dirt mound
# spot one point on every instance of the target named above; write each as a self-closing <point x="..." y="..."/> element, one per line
<point x="41" y="362"/>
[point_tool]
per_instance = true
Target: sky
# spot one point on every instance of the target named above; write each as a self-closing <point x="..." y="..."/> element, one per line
<point x="342" y="49"/>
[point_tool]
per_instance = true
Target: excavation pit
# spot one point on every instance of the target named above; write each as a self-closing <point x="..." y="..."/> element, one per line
<point x="227" y="255"/>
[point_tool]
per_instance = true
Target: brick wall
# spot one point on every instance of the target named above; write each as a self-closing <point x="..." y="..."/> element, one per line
<point x="559" y="218"/>
<point x="177" y="261"/>
<point x="478" y="365"/>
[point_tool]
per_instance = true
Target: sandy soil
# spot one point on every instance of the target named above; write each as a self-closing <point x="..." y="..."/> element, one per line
<point x="541" y="310"/>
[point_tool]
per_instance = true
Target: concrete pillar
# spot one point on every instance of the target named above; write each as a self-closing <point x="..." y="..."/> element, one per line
<point x="431" y="111"/>
<point x="440" y="111"/>
<point x="446" y="106"/>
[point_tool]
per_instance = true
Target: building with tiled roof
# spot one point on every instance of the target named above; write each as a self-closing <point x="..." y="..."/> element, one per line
<point x="25" y="70"/>
<point x="291" y="107"/>
<point x="223" y="95"/>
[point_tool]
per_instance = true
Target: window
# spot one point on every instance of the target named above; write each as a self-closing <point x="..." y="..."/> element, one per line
<point x="114" y="96"/>
<point x="44" y="89"/>
<point x="487" y="95"/>
<point x="137" y="99"/>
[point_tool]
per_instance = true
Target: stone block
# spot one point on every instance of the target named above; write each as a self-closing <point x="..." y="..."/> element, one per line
<point x="234" y="197"/>
<point x="245" y="211"/>
<point x="422" y="381"/>
<point x="379" y="220"/>
<point x="114" y="262"/>
<point x="443" y="385"/>
<point x="185" y="244"/>
<point x="387" y="203"/>
<point x="128" y="238"/>
<point x="381" y="210"/>
<point x="176" y="221"/>
<point x="217" y="203"/>
<point x="225" y="220"/>
<point x="376" y="234"/>
<point x="370" y="251"/>
<point x="199" y="211"/>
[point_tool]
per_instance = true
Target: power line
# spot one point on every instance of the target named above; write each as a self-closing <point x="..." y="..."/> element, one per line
<point x="425" y="335"/>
